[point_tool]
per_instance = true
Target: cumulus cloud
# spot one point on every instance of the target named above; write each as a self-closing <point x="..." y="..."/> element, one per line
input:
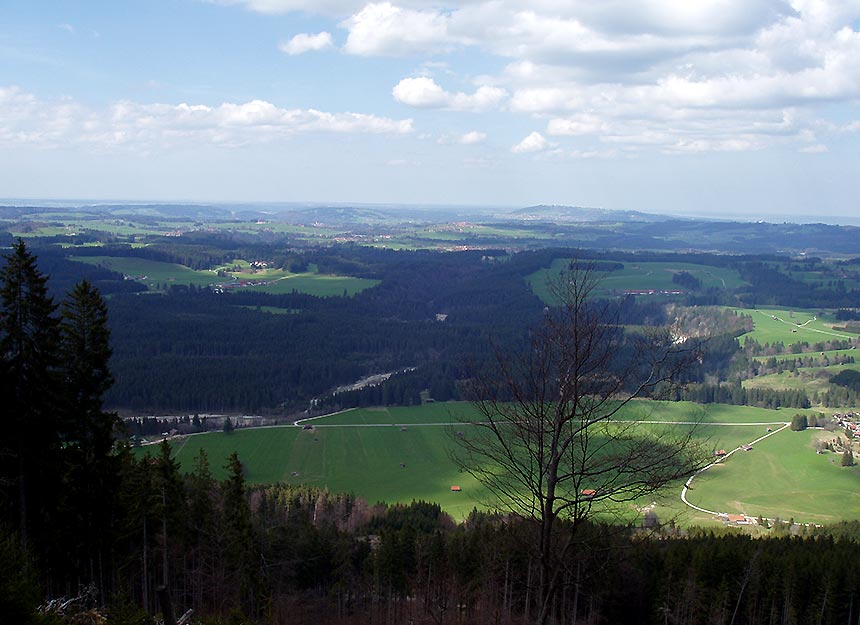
<point x="535" y="142"/>
<point x="275" y="7"/>
<point x="424" y="92"/>
<point x="305" y="42"/>
<point x="26" y="119"/>
<point x="675" y="75"/>
<point x="385" y="29"/>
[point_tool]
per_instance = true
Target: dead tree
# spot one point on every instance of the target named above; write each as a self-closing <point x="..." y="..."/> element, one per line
<point x="551" y="443"/>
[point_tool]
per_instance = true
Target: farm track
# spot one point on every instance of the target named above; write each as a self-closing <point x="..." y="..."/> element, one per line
<point x="803" y="325"/>
<point x="720" y="461"/>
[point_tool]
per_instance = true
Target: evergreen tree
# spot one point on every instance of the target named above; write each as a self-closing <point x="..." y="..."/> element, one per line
<point x="847" y="458"/>
<point x="241" y="548"/>
<point x="86" y="429"/>
<point x="28" y="438"/>
<point x="799" y="422"/>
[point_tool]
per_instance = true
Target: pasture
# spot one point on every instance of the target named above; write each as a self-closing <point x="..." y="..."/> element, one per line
<point x="789" y="326"/>
<point x="401" y="454"/>
<point x="809" y="379"/>
<point x="783" y="478"/>
<point x="640" y="276"/>
<point x="152" y="273"/>
<point x="830" y="354"/>
<point x="158" y="275"/>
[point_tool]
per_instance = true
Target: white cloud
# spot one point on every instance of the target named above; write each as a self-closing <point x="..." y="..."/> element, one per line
<point x="818" y="148"/>
<point x="388" y="30"/>
<point x="305" y="42"/>
<point x="274" y="7"/>
<point x="535" y="142"/>
<point x="25" y="119"/>
<point x="68" y="28"/>
<point x="472" y="137"/>
<point x="676" y="75"/>
<point x="424" y="92"/>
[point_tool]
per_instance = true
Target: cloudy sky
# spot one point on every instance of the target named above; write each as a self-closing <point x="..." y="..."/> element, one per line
<point x="719" y="107"/>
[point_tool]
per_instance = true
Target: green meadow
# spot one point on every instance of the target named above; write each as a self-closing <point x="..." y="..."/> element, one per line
<point x="772" y="325"/>
<point x="809" y="379"/>
<point x="640" y="276"/>
<point x="157" y="275"/>
<point x="150" y="272"/>
<point x="363" y="460"/>
<point x="782" y="477"/>
<point x="401" y="454"/>
<point x="830" y="353"/>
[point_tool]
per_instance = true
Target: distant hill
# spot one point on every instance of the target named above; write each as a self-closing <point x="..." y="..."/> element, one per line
<point x="545" y="212"/>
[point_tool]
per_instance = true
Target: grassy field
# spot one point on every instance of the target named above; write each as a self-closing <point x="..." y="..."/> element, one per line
<point x="787" y="327"/>
<point x="149" y="272"/>
<point x="157" y="275"/>
<point x="640" y="276"/>
<point x="361" y="451"/>
<point x="830" y="353"/>
<point x="363" y="460"/>
<point x="782" y="477"/>
<point x="809" y="379"/>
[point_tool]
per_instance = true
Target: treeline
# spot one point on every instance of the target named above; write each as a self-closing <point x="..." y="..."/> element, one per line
<point x="57" y="470"/>
<point x="279" y="554"/>
<point x="770" y="286"/>
<point x="737" y="395"/>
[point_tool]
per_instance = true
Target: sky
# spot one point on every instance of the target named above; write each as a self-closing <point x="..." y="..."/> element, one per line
<point x="716" y="107"/>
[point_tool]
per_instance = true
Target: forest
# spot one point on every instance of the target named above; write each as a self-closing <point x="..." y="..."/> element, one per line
<point x="187" y="349"/>
<point x="92" y="531"/>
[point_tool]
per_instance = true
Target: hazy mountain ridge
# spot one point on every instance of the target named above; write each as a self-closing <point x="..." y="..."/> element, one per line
<point x="561" y="213"/>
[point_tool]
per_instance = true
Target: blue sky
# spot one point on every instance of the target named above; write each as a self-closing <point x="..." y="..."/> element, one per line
<point x="720" y="107"/>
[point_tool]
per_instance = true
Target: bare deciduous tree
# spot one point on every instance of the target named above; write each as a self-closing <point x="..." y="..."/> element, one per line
<point x="551" y="443"/>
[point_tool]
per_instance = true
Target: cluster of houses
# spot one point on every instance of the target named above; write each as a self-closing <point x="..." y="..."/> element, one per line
<point x="849" y="421"/>
<point x="653" y="292"/>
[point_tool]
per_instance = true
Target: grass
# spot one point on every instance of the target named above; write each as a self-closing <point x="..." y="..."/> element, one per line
<point x="782" y="477"/>
<point x="273" y="310"/>
<point x="809" y="379"/>
<point x="783" y="326"/>
<point x="640" y="276"/>
<point x="157" y="275"/>
<point x="830" y="353"/>
<point x="366" y="460"/>
<point x="317" y="284"/>
<point x="348" y="459"/>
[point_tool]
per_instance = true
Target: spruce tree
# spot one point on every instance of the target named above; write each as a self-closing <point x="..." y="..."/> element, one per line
<point x="86" y="429"/>
<point x="28" y="438"/>
<point x="241" y="549"/>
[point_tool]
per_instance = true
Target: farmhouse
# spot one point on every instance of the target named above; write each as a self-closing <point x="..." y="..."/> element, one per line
<point x="588" y="493"/>
<point x="455" y="489"/>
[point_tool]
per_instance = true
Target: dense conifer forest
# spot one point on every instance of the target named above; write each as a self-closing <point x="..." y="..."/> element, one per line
<point x="85" y="519"/>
